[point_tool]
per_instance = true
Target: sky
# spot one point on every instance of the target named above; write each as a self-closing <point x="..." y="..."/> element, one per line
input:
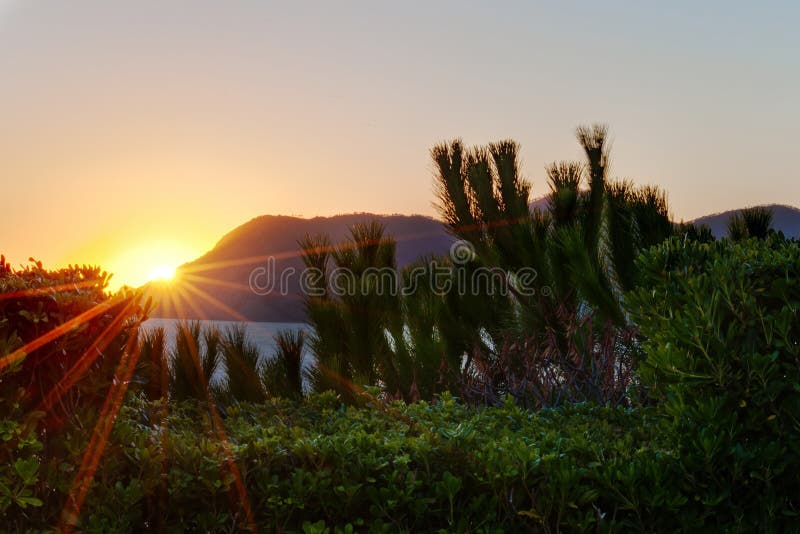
<point x="135" y="134"/>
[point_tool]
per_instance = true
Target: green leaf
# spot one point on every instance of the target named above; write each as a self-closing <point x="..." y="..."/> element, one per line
<point x="28" y="501"/>
<point x="26" y="469"/>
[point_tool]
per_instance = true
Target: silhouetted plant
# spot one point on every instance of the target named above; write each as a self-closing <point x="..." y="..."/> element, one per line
<point x="637" y="218"/>
<point x="241" y="357"/>
<point x="583" y="251"/>
<point x="350" y="343"/>
<point x="593" y="140"/>
<point x="564" y="179"/>
<point x="282" y="375"/>
<point x="692" y="232"/>
<point x="152" y="372"/>
<point x="195" y="359"/>
<point x="429" y="339"/>
<point x="750" y="222"/>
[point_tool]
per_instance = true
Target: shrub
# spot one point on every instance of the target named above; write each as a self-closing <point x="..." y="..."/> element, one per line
<point x="723" y="360"/>
<point x="349" y="341"/>
<point x="63" y="340"/>
<point x="19" y="463"/>
<point x="420" y="467"/>
<point x="561" y="339"/>
<point x="63" y="334"/>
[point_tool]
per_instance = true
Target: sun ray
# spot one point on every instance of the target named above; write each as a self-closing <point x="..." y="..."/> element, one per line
<point x="214" y="301"/>
<point x="200" y="267"/>
<point x="230" y="462"/>
<point x="288" y="254"/>
<point x="39" y="291"/>
<point x="216" y="282"/>
<point x="175" y="299"/>
<point x="58" y="331"/>
<point x="87" y="358"/>
<point x="182" y="297"/>
<point x="222" y="437"/>
<point x="102" y="429"/>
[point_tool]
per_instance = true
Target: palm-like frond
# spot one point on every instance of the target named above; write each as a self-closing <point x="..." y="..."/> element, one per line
<point x="211" y="355"/>
<point x="152" y="369"/>
<point x="622" y="232"/>
<point x="593" y="140"/>
<point x="241" y="363"/>
<point x="187" y="380"/>
<point x="589" y="277"/>
<point x="454" y="202"/>
<point x="282" y="375"/>
<point x="750" y="222"/>
<point x="564" y="179"/>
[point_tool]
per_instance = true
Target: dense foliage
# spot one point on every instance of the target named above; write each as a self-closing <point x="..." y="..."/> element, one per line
<point x="418" y="467"/>
<point x="67" y="350"/>
<point x="723" y="361"/>
<point x="562" y="338"/>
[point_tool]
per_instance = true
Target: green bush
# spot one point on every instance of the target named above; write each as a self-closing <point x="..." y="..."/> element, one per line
<point x="19" y="463"/>
<point x="62" y="337"/>
<point x="63" y="334"/>
<point x="422" y="467"/>
<point x="723" y="361"/>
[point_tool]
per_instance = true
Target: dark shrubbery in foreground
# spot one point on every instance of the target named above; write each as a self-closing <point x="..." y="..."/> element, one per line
<point x="723" y="363"/>
<point x="418" y="467"/>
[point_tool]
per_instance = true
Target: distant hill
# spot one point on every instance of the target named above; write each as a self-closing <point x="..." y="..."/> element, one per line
<point x="785" y="219"/>
<point x="216" y="285"/>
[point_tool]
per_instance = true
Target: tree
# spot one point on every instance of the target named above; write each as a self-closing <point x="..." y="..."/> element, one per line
<point x="582" y="251"/>
<point x="352" y="297"/>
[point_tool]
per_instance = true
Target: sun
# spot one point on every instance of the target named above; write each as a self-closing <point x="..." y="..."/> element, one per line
<point x="162" y="273"/>
<point x="146" y="259"/>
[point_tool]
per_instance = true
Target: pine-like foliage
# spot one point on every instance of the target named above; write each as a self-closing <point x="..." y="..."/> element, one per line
<point x="583" y="251"/>
<point x="282" y="375"/>
<point x="152" y="371"/>
<point x="350" y="302"/>
<point x="750" y="222"/>
<point x="241" y="356"/>
<point x="195" y="360"/>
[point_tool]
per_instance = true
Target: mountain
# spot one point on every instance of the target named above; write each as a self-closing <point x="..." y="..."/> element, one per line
<point x="218" y="284"/>
<point x="785" y="219"/>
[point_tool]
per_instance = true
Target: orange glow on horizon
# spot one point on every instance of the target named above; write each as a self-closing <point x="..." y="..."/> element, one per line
<point x="148" y="261"/>
<point x="137" y="258"/>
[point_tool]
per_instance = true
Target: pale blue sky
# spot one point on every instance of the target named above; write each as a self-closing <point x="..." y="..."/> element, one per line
<point x="228" y="110"/>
